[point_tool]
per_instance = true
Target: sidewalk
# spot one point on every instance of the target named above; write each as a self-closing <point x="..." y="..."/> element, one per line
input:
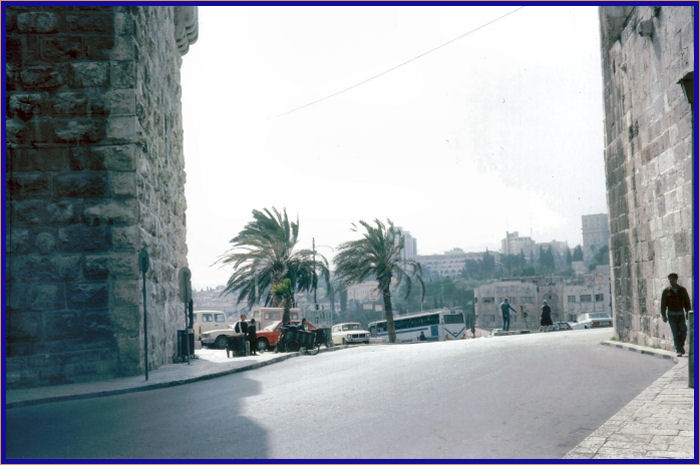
<point x="657" y="424"/>
<point x="208" y="364"/>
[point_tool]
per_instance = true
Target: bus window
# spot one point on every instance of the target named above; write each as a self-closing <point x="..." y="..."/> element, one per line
<point x="456" y="318"/>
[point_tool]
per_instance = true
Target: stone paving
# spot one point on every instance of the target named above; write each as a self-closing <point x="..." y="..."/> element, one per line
<point x="657" y="424"/>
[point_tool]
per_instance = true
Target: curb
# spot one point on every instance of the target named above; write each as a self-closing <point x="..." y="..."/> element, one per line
<point x="666" y="354"/>
<point x="159" y="385"/>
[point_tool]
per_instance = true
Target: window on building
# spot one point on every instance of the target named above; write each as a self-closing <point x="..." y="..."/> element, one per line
<point x="585" y="298"/>
<point x="599" y="297"/>
<point x="572" y="317"/>
<point x="487" y="300"/>
<point x="527" y="300"/>
<point x="571" y="299"/>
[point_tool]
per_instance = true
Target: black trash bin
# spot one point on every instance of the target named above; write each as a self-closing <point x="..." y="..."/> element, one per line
<point x="323" y="335"/>
<point x="238" y="344"/>
<point x="183" y="348"/>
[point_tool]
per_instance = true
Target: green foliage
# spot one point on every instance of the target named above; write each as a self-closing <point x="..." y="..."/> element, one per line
<point x="578" y="254"/>
<point x="378" y="255"/>
<point x="263" y="256"/>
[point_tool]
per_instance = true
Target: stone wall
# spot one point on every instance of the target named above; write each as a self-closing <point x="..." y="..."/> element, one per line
<point x="646" y="50"/>
<point x="95" y="172"/>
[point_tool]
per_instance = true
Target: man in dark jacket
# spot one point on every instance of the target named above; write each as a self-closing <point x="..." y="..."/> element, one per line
<point x="252" y="336"/>
<point x="546" y="317"/>
<point x="675" y="305"/>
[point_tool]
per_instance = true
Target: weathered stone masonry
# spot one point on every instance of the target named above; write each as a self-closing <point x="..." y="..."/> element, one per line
<point x="646" y="51"/>
<point x="95" y="172"/>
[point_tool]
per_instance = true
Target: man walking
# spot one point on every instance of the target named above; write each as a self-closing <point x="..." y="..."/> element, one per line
<point x="505" y="310"/>
<point x="546" y="317"/>
<point x="676" y="301"/>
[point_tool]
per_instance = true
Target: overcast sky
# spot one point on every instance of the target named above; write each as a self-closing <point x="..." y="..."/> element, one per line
<point x="499" y="130"/>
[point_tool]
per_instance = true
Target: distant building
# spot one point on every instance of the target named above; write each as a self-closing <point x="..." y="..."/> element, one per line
<point x="410" y="246"/>
<point x="513" y="244"/>
<point x="521" y="295"/>
<point x="450" y="264"/>
<point x="596" y="233"/>
<point x="567" y="298"/>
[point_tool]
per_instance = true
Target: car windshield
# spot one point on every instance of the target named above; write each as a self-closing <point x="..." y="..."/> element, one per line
<point x="351" y="327"/>
<point x="599" y="315"/>
<point x="272" y="326"/>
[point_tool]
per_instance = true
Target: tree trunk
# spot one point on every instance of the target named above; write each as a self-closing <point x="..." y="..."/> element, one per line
<point x="286" y="314"/>
<point x="389" y="315"/>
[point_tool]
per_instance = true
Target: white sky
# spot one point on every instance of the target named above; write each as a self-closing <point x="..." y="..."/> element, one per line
<point x="501" y="130"/>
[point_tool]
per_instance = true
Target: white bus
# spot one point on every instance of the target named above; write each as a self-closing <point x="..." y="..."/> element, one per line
<point x="435" y="325"/>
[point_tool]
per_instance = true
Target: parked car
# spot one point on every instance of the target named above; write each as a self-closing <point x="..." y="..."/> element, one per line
<point x="268" y="337"/>
<point x="217" y="337"/>
<point x="208" y="320"/>
<point x="592" y="320"/>
<point x="559" y="326"/>
<point x="349" y="333"/>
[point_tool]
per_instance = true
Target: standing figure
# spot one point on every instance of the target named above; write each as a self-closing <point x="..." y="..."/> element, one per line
<point x="252" y="336"/>
<point x="241" y="326"/>
<point x="675" y="305"/>
<point x="546" y="317"/>
<point x="506" y="308"/>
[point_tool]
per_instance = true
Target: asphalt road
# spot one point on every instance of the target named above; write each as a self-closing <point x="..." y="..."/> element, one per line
<point x="526" y="396"/>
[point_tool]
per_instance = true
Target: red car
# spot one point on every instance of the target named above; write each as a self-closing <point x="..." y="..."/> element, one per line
<point x="268" y="337"/>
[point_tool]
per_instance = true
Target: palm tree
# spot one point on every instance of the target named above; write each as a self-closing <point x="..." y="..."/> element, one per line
<point x="263" y="256"/>
<point x="378" y="254"/>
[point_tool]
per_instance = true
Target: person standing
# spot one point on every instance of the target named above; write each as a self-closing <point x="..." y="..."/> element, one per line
<point x="675" y="305"/>
<point x="241" y="326"/>
<point x="252" y="336"/>
<point x="506" y="308"/>
<point x="546" y="316"/>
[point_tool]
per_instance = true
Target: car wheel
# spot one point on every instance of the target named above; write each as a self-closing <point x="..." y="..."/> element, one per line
<point x="221" y="342"/>
<point x="261" y="344"/>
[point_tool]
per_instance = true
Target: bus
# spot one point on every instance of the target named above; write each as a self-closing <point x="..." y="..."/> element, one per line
<point x="435" y="325"/>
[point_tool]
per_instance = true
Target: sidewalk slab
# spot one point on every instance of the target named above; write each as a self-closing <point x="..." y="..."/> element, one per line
<point x="209" y="364"/>
<point x="657" y="424"/>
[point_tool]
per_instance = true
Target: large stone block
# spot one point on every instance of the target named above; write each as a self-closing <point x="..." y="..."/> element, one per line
<point x="79" y="130"/>
<point x="26" y="105"/>
<point x="28" y="186"/>
<point x="93" y="23"/>
<point x="62" y="48"/>
<point x="42" y="77"/>
<point x="114" y="212"/>
<point x="37" y="22"/>
<point x="83" y="238"/>
<point x="61" y="325"/>
<point x="87" y="296"/>
<point x="89" y="74"/>
<point x="83" y="184"/>
<point x="44" y="159"/>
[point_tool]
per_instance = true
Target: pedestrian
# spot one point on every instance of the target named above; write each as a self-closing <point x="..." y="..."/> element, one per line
<point x="675" y="305"/>
<point x="241" y="326"/>
<point x="252" y="336"/>
<point x="546" y="317"/>
<point x="506" y="308"/>
<point x="422" y="336"/>
<point x="304" y="326"/>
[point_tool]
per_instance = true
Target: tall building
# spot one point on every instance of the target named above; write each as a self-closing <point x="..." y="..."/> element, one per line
<point x="595" y="232"/>
<point x="513" y="244"/>
<point x="410" y="246"/>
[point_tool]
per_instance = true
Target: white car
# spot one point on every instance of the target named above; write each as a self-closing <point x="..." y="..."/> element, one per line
<point x="592" y="320"/>
<point x="349" y="333"/>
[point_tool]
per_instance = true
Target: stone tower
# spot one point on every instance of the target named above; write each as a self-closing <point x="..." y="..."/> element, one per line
<point x="94" y="172"/>
<point x="647" y="55"/>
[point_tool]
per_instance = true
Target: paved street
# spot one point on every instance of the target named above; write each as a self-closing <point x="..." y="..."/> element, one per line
<point x="529" y="396"/>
